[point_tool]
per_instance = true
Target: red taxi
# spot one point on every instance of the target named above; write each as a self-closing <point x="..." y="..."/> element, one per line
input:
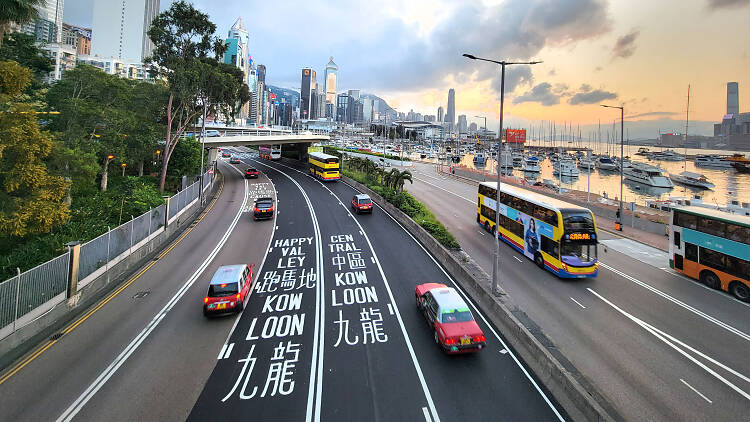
<point x="362" y="203"/>
<point x="228" y="289"/>
<point x="454" y="326"/>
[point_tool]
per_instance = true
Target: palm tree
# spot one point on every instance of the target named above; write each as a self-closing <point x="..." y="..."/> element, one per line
<point x="19" y="12"/>
<point x="390" y="178"/>
<point x="402" y="177"/>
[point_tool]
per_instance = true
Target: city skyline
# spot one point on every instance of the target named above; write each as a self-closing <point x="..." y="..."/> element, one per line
<point x="640" y="54"/>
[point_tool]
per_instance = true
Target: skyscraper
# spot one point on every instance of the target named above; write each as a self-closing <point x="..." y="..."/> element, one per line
<point x="48" y="27"/>
<point x="237" y="54"/>
<point x="733" y="98"/>
<point x="354" y="93"/>
<point x="450" y="116"/>
<point x="331" y="81"/>
<point x="461" y="126"/>
<point x="440" y="114"/>
<point x="123" y="35"/>
<point x="308" y="84"/>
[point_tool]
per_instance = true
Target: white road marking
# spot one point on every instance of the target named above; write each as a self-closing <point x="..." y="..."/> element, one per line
<point x="471" y="303"/>
<point x="426" y="414"/>
<point x="446" y="190"/>
<point x="417" y="367"/>
<point x="372" y="258"/>
<point x="696" y="391"/>
<point x="481" y="232"/>
<point x="226" y="351"/>
<point x="504" y="351"/>
<point x="578" y="303"/>
<point x="517" y="259"/>
<point x="315" y="389"/>
<point x="390" y="309"/>
<point x="670" y="341"/>
<point x="696" y="311"/>
<point x="102" y="379"/>
<point x="221" y="353"/>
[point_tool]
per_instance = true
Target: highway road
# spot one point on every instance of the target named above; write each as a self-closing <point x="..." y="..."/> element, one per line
<point x="657" y="345"/>
<point x="330" y="331"/>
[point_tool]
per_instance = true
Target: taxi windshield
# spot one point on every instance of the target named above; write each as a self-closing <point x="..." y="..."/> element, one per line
<point x="457" y="315"/>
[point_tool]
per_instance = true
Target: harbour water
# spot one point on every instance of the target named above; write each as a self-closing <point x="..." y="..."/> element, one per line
<point x="729" y="185"/>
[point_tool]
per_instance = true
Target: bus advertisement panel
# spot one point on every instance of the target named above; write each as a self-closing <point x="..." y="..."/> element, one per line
<point x="270" y="152"/>
<point x="713" y="247"/>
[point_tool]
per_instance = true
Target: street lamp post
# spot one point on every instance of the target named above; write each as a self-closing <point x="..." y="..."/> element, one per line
<point x="203" y="147"/>
<point x="622" y="138"/>
<point x="496" y="257"/>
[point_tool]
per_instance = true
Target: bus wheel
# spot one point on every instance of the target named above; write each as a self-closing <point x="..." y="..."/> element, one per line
<point x="740" y="290"/>
<point x="710" y="279"/>
<point x="539" y="260"/>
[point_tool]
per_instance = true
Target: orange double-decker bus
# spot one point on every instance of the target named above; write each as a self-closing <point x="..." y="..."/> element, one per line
<point x="713" y="247"/>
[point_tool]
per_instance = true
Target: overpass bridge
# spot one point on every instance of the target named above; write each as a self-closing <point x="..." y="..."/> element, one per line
<point x="229" y="136"/>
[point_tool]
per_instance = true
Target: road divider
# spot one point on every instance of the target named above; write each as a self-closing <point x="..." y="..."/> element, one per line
<point x="562" y="381"/>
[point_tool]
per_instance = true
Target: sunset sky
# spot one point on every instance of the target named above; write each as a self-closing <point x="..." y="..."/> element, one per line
<point x="640" y="53"/>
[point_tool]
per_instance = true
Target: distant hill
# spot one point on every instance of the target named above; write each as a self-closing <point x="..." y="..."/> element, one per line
<point x="383" y="107"/>
<point x="289" y="95"/>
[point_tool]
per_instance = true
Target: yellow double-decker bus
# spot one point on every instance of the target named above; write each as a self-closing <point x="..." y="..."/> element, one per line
<point x="323" y="166"/>
<point x="558" y="236"/>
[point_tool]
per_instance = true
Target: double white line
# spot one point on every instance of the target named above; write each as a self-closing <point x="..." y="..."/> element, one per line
<point x="77" y="405"/>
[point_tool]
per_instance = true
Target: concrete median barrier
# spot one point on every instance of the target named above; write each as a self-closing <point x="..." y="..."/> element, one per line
<point x="572" y="391"/>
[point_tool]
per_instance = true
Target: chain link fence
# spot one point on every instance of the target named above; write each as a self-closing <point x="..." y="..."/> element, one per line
<point x="23" y="293"/>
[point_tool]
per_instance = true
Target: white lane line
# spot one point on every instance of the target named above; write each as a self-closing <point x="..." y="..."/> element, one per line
<point x="503" y="351"/>
<point x="372" y="258"/>
<point x="696" y="311"/>
<point x="517" y="259"/>
<point x="446" y="190"/>
<point x="578" y="303"/>
<point x="229" y="350"/>
<point x="390" y="309"/>
<point x="99" y="382"/>
<point x="471" y="303"/>
<point x="696" y="391"/>
<point x="426" y="414"/>
<point x="314" y="388"/>
<point x="666" y="339"/>
<point x="481" y="232"/>
<point x="221" y="353"/>
<point x="417" y="367"/>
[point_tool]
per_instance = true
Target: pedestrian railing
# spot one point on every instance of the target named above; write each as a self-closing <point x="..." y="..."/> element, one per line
<point x="30" y="294"/>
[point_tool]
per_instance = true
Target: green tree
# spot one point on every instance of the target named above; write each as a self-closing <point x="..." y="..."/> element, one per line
<point x="31" y="200"/>
<point x="19" y="12"/>
<point x="23" y="49"/>
<point x="147" y="102"/>
<point x="186" y="159"/>
<point x="95" y="115"/>
<point x="185" y="53"/>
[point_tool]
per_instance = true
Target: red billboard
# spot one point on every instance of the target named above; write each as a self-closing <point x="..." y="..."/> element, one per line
<point x="515" y="136"/>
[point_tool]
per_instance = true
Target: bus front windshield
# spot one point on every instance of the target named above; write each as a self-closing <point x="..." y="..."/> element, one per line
<point x="578" y="254"/>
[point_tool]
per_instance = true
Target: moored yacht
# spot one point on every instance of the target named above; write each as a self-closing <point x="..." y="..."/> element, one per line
<point x="713" y="161"/>
<point x="565" y="167"/>
<point x="531" y="164"/>
<point x="605" y="163"/>
<point x="691" y="179"/>
<point x="647" y="175"/>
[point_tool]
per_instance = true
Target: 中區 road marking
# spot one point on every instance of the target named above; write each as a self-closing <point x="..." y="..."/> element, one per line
<point x="426" y="414"/>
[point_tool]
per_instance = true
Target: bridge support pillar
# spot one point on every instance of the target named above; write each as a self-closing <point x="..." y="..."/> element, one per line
<point x="212" y="154"/>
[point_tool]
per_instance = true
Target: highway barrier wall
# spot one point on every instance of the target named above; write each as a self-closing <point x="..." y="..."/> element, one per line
<point x="561" y="379"/>
<point x="37" y="303"/>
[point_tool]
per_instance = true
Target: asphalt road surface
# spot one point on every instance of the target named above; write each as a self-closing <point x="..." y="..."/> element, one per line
<point x="330" y="332"/>
<point x="657" y="345"/>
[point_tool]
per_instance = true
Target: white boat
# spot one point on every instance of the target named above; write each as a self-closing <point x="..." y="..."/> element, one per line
<point x="626" y="163"/>
<point x="605" y="163"/>
<point x="517" y="158"/>
<point x="565" y="167"/>
<point x="667" y="155"/>
<point x="647" y="175"/>
<point x="713" y="161"/>
<point x="692" y="179"/>
<point x="587" y="163"/>
<point x="531" y="164"/>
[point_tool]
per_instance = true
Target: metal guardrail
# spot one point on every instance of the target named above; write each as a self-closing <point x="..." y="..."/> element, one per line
<point x="27" y="291"/>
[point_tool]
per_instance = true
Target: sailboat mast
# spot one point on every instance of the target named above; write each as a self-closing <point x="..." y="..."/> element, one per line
<point x="687" y="120"/>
